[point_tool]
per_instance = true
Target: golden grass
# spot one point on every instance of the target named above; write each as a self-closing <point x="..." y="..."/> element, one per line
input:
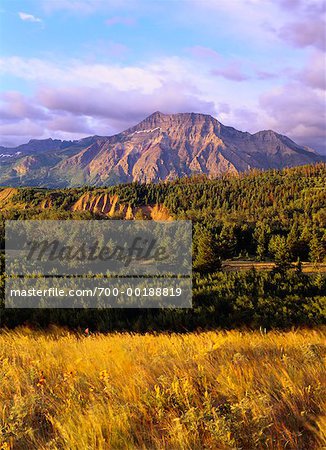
<point x="209" y="390"/>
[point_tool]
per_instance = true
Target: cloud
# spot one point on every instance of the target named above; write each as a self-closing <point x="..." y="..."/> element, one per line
<point x="69" y="123"/>
<point x="304" y="33"/>
<point x="289" y="4"/>
<point x="223" y="108"/>
<point x="14" y="105"/>
<point x="200" y="51"/>
<point x="231" y="72"/>
<point x="122" y="107"/>
<point x="229" y="68"/>
<point x="24" y="118"/>
<point x="298" y="111"/>
<point x="29" y="17"/>
<point x="262" y="75"/>
<point x="96" y="99"/>
<point x="313" y="74"/>
<point x="121" y="77"/>
<point x="72" y="98"/>
<point x="246" y="119"/>
<point x="247" y="21"/>
<point x="31" y="69"/>
<point x="13" y="134"/>
<point x="300" y="23"/>
<point x="308" y="29"/>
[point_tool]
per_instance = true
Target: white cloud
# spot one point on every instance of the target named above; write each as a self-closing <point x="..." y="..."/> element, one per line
<point x="29" y="17"/>
<point x="106" y="98"/>
<point x="72" y="72"/>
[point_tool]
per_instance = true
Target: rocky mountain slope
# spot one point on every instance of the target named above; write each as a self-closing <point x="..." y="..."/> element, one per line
<point x="161" y="147"/>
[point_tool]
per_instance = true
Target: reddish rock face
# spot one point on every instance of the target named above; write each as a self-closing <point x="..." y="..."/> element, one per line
<point x="161" y="147"/>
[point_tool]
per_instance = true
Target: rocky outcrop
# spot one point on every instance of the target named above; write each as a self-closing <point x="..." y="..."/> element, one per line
<point x="102" y="203"/>
<point x="6" y="196"/>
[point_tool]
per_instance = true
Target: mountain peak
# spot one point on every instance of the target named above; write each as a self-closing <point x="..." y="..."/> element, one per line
<point x="183" y="120"/>
<point x="180" y="116"/>
<point x="156" y="114"/>
<point x="161" y="147"/>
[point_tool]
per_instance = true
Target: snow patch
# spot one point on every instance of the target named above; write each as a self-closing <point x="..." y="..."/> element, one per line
<point x="6" y="155"/>
<point x="145" y="131"/>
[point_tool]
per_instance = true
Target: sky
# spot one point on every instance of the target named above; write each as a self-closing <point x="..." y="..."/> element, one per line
<point x="74" y="68"/>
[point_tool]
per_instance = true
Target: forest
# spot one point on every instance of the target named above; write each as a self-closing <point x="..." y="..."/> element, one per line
<point x="277" y="216"/>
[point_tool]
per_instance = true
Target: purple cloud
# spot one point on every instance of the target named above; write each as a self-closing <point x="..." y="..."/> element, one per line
<point x="289" y="4"/>
<point x="262" y="75"/>
<point x="229" y="69"/>
<point x="69" y="124"/>
<point x="14" y="105"/>
<point x="86" y="111"/>
<point x="223" y="108"/>
<point x="305" y="33"/>
<point x="298" y="111"/>
<point x="19" y="132"/>
<point x="23" y="118"/>
<point x="313" y="74"/>
<point x="204" y="52"/>
<point x="127" y="106"/>
<point x="231" y="72"/>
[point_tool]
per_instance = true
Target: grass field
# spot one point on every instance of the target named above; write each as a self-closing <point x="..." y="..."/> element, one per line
<point x="210" y="390"/>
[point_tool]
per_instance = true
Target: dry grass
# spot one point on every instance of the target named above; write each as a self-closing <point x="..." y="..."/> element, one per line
<point x="212" y="390"/>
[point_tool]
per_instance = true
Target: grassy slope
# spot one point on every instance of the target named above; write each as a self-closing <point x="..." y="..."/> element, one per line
<point x="208" y="390"/>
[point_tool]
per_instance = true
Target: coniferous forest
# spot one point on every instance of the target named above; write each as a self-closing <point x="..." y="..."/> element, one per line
<point x="276" y="217"/>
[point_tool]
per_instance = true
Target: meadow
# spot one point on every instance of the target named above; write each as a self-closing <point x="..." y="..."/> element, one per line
<point x="148" y="379"/>
<point x="203" y="390"/>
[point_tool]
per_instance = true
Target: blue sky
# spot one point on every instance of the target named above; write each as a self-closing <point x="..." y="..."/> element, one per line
<point x="71" y="68"/>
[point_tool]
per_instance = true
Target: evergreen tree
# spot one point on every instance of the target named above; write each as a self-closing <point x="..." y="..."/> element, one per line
<point x="206" y="252"/>
<point x="293" y="241"/>
<point x="261" y="235"/>
<point x="280" y="251"/>
<point x="227" y="241"/>
<point x="316" y="247"/>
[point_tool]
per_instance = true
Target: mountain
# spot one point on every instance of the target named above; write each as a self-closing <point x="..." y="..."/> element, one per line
<point x="161" y="147"/>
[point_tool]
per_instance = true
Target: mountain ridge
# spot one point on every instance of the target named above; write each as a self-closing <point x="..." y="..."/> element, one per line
<point x="160" y="147"/>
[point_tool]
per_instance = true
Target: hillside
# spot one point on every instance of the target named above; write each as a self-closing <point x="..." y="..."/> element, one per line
<point x="275" y="216"/>
<point x="161" y="147"/>
<point x="243" y="211"/>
